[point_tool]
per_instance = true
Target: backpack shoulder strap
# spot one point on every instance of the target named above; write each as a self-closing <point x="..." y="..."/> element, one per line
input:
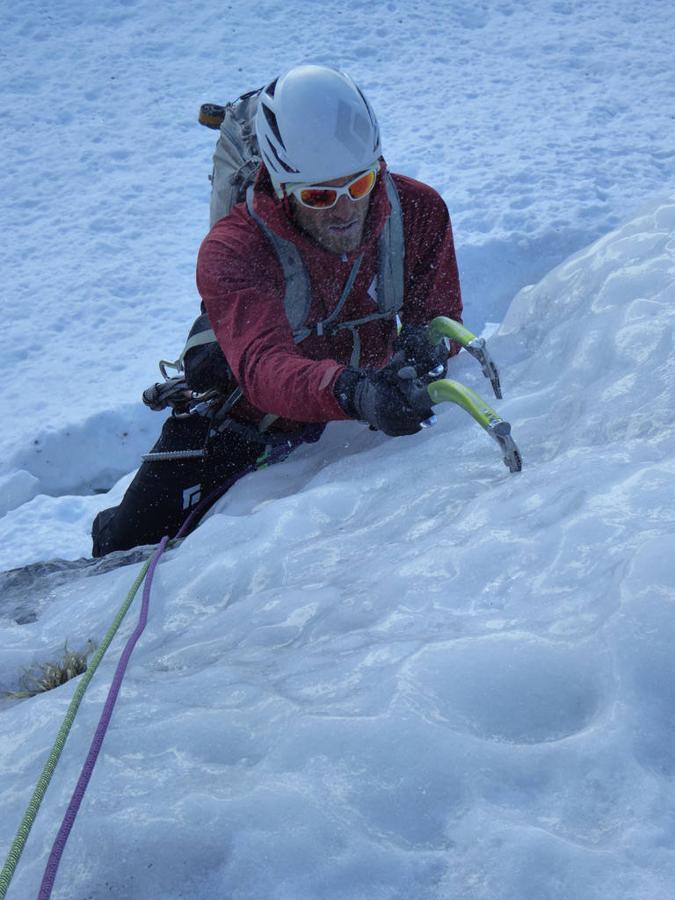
<point x="391" y="255"/>
<point x="201" y="333"/>
<point x="298" y="296"/>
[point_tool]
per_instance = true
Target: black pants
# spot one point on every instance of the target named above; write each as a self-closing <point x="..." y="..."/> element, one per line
<point x="163" y="493"/>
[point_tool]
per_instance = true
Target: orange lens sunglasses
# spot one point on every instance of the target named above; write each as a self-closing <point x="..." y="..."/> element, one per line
<point x="316" y="197"/>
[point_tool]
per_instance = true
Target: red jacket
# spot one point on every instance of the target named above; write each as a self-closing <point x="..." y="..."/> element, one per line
<point x="242" y="285"/>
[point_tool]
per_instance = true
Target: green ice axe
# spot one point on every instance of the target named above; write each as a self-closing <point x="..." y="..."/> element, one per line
<point x="487" y="418"/>
<point x="454" y="392"/>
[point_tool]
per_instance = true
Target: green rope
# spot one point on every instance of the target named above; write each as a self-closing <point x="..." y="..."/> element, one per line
<point x="24" y="828"/>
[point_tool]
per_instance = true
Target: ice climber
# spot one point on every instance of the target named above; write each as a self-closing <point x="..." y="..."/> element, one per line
<point x="302" y="285"/>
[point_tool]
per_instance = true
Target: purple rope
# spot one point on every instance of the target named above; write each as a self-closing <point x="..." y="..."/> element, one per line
<point x="95" y="747"/>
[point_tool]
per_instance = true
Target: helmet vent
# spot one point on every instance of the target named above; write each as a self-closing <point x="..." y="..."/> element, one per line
<point x="271" y="88"/>
<point x="272" y="122"/>
<point x="280" y="161"/>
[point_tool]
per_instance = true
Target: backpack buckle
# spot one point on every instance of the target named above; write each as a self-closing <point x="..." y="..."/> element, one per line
<point x="323" y="328"/>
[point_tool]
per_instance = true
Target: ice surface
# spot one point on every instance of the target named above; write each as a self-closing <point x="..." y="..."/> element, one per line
<point x="358" y="683"/>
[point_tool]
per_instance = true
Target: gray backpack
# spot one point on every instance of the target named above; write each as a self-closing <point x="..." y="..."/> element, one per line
<point x="235" y="163"/>
<point x="236" y="158"/>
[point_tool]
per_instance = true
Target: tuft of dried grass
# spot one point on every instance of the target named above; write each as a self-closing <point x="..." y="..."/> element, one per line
<point x="50" y="675"/>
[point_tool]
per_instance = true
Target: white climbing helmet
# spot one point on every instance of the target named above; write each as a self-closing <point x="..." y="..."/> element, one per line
<point x="314" y="124"/>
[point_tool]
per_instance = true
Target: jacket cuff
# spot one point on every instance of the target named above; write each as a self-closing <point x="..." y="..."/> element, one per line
<point x="345" y="388"/>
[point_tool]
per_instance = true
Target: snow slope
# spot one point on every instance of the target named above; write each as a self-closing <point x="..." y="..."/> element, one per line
<point x="360" y="684"/>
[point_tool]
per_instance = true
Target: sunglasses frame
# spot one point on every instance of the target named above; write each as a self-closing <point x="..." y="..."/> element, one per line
<point x="296" y="189"/>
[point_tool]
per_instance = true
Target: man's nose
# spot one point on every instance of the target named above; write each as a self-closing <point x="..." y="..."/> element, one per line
<point x="343" y="208"/>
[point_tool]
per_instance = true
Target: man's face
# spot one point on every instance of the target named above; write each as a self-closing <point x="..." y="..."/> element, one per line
<point x="338" y="229"/>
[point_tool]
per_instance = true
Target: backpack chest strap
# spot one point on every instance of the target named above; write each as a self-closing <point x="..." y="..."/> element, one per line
<point x="328" y="325"/>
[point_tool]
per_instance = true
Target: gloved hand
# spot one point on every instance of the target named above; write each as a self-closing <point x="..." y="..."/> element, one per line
<point x="420" y="352"/>
<point x="391" y="399"/>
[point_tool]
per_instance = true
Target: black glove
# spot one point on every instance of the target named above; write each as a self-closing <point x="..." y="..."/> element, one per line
<point x="391" y="399"/>
<point x="413" y="341"/>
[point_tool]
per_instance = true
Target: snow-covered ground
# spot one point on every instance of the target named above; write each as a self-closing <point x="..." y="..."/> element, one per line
<point x="355" y="684"/>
